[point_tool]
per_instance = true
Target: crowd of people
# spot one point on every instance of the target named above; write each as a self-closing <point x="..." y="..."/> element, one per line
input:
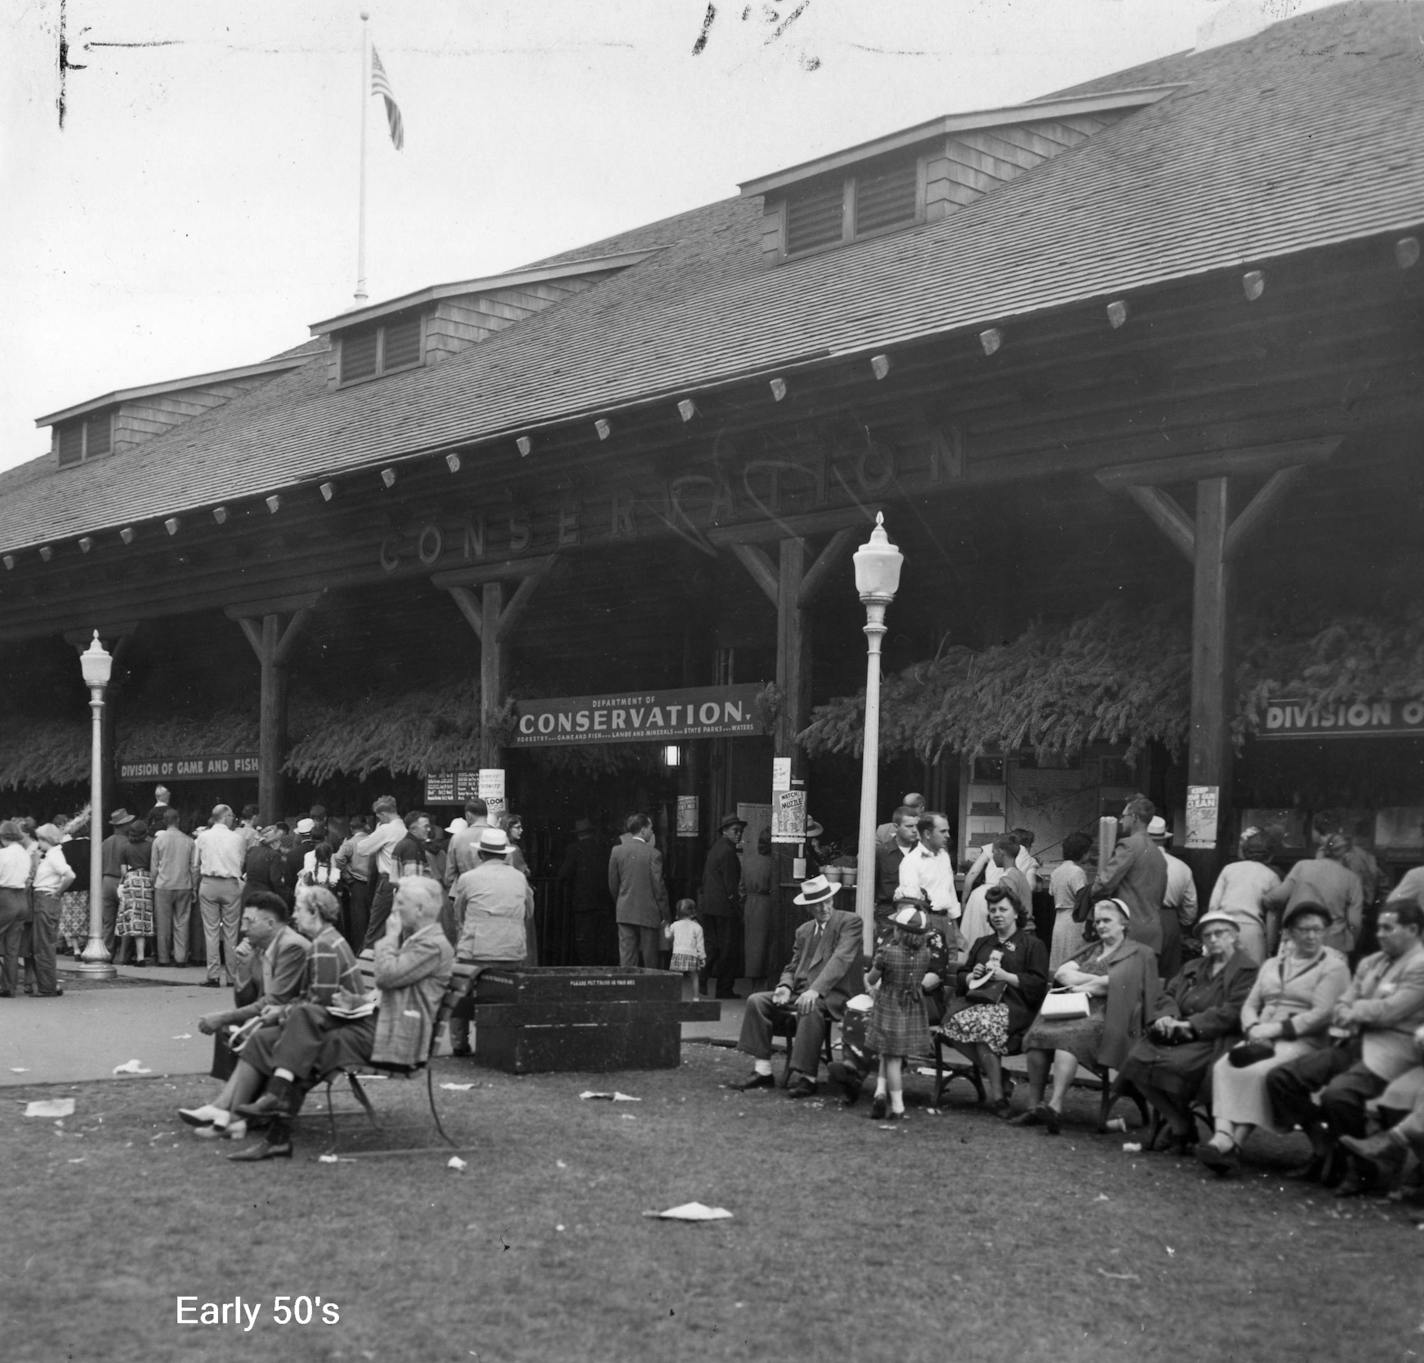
<point x="1289" y="1003"/>
<point x="1292" y="1002"/>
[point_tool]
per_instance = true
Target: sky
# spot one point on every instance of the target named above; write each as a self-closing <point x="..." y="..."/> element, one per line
<point x="198" y="208"/>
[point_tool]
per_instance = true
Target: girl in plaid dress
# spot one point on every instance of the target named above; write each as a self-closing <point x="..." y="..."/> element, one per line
<point x="899" y="1025"/>
<point x="689" y="950"/>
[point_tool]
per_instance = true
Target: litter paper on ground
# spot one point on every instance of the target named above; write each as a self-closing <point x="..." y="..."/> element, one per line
<point x="692" y="1211"/>
<point x="51" y="1107"/>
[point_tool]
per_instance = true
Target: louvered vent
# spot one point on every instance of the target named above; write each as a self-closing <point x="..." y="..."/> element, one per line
<point x="814" y="217"/>
<point x="71" y="443"/>
<point x="886" y="198"/>
<point x="402" y="344"/>
<point x="358" y="355"/>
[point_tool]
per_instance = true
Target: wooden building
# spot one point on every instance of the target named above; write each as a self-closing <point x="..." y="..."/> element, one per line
<point x="1156" y="340"/>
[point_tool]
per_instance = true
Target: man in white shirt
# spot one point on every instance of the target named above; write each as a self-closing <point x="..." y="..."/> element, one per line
<point x="52" y="878"/>
<point x="930" y="870"/>
<point x="172" y="889"/>
<point x="217" y="861"/>
<point x="379" y="846"/>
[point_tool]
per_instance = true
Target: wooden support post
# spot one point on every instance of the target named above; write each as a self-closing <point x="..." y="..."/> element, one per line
<point x="493" y="620"/>
<point x="273" y="628"/>
<point x="793" y="655"/>
<point x="1209" y="751"/>
<point x="491" y="671"/>
<point x="1212" y="540"/>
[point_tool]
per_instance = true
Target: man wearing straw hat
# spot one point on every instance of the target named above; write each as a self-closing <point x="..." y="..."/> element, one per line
<point x="825" y="970"/>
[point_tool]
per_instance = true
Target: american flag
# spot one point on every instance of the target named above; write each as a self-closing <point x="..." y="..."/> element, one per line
<point x="381" y="85"/>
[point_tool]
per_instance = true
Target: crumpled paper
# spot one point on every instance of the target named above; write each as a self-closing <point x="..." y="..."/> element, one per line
<point x="51" y="1107"/>
<point x="614" y="1097"/>
<point x="692" y="1211"/>
<point x="457" y="1088"/>
<point x="457" y="1164"/>
<point x="131" y="1067"/>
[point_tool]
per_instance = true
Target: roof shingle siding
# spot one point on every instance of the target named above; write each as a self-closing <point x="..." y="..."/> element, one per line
<point x="1300" y="137"/>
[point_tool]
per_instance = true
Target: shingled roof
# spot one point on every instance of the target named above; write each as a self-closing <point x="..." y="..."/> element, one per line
<point x="1300" y="137"/>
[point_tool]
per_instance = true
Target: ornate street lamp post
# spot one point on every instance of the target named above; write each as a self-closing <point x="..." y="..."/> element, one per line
<point x="877" y="579"/>
<point x="97" y="665"/>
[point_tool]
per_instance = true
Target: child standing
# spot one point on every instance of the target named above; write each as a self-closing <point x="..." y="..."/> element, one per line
<point x="899" y="1024"/>
<point x="689" y="950"/>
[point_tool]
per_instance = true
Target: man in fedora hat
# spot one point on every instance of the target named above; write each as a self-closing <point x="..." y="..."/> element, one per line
<point x="113" y="871"/>
<point x="825" y="970"/>
<point x="494" y="905"/>
<point x="720" y="906"/>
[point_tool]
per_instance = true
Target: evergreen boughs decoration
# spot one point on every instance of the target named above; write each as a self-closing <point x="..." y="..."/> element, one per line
<point x="1122" y="676"/>
<point x="415" y="731"/>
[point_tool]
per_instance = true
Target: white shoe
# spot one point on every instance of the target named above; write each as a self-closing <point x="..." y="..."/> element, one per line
<point x="233" y="1131"/>
<point x="201" y="1116"/>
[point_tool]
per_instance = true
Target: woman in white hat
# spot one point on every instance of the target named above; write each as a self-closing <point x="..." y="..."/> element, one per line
<point x="1198" y="1015"/>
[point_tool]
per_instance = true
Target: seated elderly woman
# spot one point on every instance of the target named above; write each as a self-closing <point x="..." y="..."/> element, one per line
<point x="1119" y="978"/>
<point x="998" y="989"/>
<point x="1285" y="1016"/>
<point x="1196" y="1014"/>
<point x="411" y="976"/>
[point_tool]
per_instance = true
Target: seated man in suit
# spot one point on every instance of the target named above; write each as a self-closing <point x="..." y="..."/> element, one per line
<point x="411" y="976"/>
<point x="280" y="972"/>
<point x="1325" y="1092"/>
<point x="826" y="968"/>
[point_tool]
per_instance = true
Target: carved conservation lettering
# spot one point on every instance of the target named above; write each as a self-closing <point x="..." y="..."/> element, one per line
<point x="851" y="469"/>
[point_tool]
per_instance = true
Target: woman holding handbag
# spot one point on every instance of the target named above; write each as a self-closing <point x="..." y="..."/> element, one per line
<point x="1197" y="1015"/>
<point x="1285" y="1016"/>
<point x="998" y="988"/>
<point x="1118" y="979"/>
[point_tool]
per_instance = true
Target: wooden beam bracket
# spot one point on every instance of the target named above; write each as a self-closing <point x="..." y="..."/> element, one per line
<point x="758" y="563"/>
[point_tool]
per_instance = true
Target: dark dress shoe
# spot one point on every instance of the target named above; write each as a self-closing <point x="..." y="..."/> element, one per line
<point x="211" y="984"/>
<point x="757" y="1081"/>
<point x="50" y="993"/>
<point x="1379" y="1156"/>
<point x="800" y="1087"/>
<point x="1222" y="1163"/>
<point x="263" y="1150"/>
<point x="1001" y="1109"/>
<point x="1050" y="1117"/>
<point x="848" y="1080"/>
<point x="878" y="1107"/>
<point x="1029" y="1118"/>
<point x="268" y="1105"/>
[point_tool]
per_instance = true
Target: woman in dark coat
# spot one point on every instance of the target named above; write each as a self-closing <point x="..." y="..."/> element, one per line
<point x="1197" y="1014"/>
<point x="1013" y="962"/>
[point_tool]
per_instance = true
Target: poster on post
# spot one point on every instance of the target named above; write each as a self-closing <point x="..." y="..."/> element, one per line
<point x="492" y="791"/>
<point x="687" y="816"/>
<point x="788" y="816"/>
<point x="1202" y="806"/>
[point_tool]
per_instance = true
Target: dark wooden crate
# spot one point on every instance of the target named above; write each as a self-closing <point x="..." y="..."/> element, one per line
<point x="621" y="1038"/>
<point x="568" y="983"/>
<point x="546" y="1035"/>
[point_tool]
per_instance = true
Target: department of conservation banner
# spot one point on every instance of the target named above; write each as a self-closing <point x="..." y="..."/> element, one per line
<point x="640" y="716"/>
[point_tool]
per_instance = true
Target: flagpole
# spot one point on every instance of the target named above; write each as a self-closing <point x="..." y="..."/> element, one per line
<point x="361" y="295"/>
